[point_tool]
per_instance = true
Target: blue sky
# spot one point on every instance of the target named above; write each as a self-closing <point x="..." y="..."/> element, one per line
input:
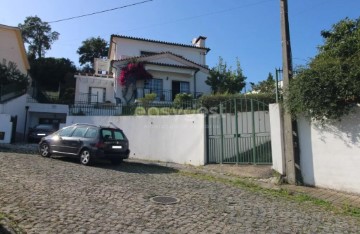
<point x="247" y="29"/>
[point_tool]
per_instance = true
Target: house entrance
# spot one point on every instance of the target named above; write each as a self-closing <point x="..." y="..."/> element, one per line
<point x="97" y="95"/>
<point x="180" y="87"/>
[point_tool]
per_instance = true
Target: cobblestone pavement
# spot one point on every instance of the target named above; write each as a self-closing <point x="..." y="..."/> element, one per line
<point x="46" y="195"/>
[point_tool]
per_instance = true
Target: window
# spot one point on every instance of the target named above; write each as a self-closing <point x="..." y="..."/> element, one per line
<point x="79" y="132"/>
<point x="180" y="87"/>
<point x="118" y="135"/>
<point x="154" y="86"/>
<point x="91" y="133"/>
<point x="65" y="132"/>
<point x="110" y="134"/>
<point x="184" y="87"/>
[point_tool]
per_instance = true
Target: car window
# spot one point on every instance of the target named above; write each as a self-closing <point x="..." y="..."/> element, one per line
<point x="65" y="131"/>
<point x="112" y="134"/>
<point x="79" y="132"/>
<point x="91" y="133"/>
<point x="118" y="135"/>
<point x="106" y="134"/>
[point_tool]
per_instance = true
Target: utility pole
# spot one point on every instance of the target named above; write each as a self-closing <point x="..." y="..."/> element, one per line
<point x="287" y="75"/>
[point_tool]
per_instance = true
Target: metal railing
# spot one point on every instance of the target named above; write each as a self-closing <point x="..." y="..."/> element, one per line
<point x="153" y="108"/>
<point x="163" y="94"/>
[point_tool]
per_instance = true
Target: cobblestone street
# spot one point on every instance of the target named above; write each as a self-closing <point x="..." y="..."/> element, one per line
<point x="59" y="195"/>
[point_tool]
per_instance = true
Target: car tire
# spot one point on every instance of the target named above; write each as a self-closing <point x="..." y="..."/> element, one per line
<point x="85" y="157"/>
<point x="116" y="161"/>
<point x="45" y="150"/>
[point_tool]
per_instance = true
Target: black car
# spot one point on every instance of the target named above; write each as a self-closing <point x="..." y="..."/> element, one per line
<point x="87" y="142"/>
<point x="39" y="131"/>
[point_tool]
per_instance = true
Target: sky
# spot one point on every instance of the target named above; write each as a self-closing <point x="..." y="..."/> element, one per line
<point x="245" y="29"/>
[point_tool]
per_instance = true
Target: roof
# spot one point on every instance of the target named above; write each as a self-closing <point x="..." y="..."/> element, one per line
<point x="162" y="42"/>
<point x="167" y="52"/>
<point x="172" y="65"/>
<point x="20" y="43"/>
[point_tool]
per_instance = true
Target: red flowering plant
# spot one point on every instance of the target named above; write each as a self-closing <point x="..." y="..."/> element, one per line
<point x="129" y="74"/>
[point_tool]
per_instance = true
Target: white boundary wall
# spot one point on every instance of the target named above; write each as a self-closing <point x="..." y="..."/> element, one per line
<point x="6" y="127"/>
<point x="179" y="139"/>
<point x="277" y="143"/>
<point x="329" y="154"/>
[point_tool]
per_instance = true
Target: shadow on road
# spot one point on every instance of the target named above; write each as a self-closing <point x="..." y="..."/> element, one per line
<point x="125" y="166"/>
<point x="3" y="230"/>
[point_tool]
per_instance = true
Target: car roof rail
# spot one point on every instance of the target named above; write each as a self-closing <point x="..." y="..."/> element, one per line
<point x="88" y="124"/>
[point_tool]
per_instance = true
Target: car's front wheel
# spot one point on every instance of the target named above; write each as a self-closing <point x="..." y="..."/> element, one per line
<point x="85" y="157"/>
<point x="45" y="150"/>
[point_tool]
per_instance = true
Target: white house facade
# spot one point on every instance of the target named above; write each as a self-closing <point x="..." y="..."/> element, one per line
<point x="175" y="68"/>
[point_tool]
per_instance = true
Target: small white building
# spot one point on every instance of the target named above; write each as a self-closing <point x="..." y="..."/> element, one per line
<point x="176" y="68"/>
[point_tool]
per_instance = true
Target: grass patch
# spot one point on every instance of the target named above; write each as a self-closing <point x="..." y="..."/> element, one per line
<point x="281" y="193"/>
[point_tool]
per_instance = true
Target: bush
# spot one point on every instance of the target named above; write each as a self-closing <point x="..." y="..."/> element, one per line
<point x="329" y="86"/>
<point x="182" y="99"/>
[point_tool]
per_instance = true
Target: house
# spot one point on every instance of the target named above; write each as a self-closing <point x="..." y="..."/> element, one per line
<point x="18" y="111"/>
<point x="12" y="100"/>
<point x="175" y="68"/>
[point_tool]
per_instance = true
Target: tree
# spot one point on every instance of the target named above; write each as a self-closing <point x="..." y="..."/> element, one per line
<point x="129" y="74"/>
<point x="92" y="48"/>
<point x="38" y="35"/>
<point x="9" y="74"/>
<point x="265" y="86"/>
<point x="329" y="86"/>
<point x="226" y="80"/>
<point x="50" y="73"/>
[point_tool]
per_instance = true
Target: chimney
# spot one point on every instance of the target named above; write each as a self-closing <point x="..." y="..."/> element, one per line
<point x="199" y="42"/>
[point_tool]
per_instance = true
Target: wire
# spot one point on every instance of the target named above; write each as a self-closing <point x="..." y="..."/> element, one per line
<point x="99" y="12"/>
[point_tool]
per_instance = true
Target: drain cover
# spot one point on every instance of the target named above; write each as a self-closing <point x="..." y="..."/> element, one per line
<point x="164" y="200"/>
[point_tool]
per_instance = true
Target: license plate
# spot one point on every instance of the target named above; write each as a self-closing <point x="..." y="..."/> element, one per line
<point x="41" y="134"/>
<point x="117" y="147"/>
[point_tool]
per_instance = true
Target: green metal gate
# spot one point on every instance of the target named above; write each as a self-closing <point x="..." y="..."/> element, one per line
<point x="239" y="133"/>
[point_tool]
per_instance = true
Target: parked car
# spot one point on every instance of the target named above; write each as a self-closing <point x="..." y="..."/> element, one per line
<point x="36" y="133"/>
<point x="87" y="142"/>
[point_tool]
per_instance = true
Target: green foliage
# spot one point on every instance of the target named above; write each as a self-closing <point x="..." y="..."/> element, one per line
<point x="224" y="80"/>
<point x="329" y="86"/>
<point x="92" y="48"/>
<point x="49" y="73"/>
<point x="265" y="86"/>
<point x="147" y="100"/>
<point x="9" y="74"/>
<point x="38" y="35"/>
<point x="182" y="99"/>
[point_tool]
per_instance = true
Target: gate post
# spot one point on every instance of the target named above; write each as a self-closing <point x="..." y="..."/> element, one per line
<point x="207" y="145"/>
<point x="222" y="133"/>
<point x="253" y="130"/>
<point x="237" y="132"/>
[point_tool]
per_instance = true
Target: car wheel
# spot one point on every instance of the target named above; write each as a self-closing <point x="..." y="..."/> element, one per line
<point x="85" y="157"/>
<point x="45" y="150"/>
<point x="116" y="161"/>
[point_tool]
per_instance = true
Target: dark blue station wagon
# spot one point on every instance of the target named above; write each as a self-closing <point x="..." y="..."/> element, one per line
<point x="87" y="142"/>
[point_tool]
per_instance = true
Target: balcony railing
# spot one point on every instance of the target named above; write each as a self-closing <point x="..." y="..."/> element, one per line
<point x="163" y="94"/>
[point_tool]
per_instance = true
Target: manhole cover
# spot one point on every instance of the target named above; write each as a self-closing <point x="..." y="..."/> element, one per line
<point x="165" y="200"/>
